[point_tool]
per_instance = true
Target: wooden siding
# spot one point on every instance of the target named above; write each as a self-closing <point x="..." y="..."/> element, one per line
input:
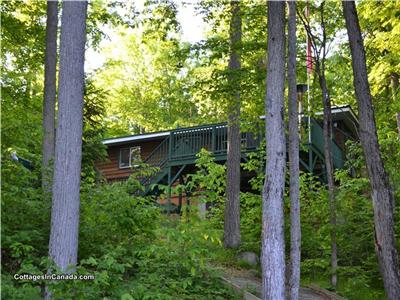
<point x="110" y="168"/>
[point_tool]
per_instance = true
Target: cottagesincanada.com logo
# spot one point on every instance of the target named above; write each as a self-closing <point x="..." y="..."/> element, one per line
<point x="35" y="277"/>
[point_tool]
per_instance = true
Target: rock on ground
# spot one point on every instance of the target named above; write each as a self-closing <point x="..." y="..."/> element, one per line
<point x="249" y="257"/>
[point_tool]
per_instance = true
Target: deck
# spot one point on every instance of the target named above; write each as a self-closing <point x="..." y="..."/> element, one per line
<point x="180" y="147"/>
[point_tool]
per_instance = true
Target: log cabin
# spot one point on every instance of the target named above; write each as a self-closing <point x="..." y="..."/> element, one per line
<point x="174" y="151"/>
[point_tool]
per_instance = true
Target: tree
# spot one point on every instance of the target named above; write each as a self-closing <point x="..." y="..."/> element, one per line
<point x="381" y="32"/>
<point x="382" y="194"/>
<point x="295" y="227"/>
<point x="273" y="242"/>
<point x="49" y="101"/>
<point x="154" y="95"/>
<point x="320" y="54"/>
<point x="327" y="134"/>
<point x="66" y="183"/>
<point x="22" y="37"/>
<point x="211" y="88"/>
<point x="232" y="206"/>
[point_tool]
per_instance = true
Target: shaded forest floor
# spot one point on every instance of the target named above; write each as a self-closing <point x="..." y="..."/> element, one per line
<point x="205" y="238"/>
<point x="247" y="281"/>
<point x="224" y="262"/>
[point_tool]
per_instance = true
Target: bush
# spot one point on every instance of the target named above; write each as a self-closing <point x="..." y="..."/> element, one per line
<point x="111" y="216"/>
<point x="132" y="252"/>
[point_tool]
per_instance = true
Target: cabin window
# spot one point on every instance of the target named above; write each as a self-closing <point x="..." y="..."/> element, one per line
<point x="129" y="157"/>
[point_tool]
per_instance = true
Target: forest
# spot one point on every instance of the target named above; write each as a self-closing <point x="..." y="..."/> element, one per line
<point x="202" y="149"/>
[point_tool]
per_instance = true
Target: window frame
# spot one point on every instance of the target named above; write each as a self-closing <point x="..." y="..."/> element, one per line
<point x="130" y="156"/>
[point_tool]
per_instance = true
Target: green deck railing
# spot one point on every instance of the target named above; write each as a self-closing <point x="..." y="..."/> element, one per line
<point x="182" y="145"/>
<point x="186" y="143"/>
<point x="159" y="155"/>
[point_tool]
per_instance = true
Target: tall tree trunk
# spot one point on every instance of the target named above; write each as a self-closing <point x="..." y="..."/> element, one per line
<point x="320" y="56"/>
<point x="382" y="194"/>
<point x="49" y="101"/>
<point x="66" y="183"/>
<point x="327" y="133"/>
<point x="295" y="228"/>
<point x="232" y="207"/>
<point x="273" y="242"/>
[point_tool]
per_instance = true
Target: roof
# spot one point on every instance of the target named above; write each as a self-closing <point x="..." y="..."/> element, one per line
<point x="346" y="114"/>
<point x="341" y="112"/>
<point x="137" y="137"/>
<point x="152" y="135"/>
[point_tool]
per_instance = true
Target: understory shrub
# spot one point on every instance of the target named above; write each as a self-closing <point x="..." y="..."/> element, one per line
<point x="132" y="250"/>
<point x="358" y="269"/>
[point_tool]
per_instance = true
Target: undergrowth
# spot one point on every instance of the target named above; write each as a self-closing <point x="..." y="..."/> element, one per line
<point x="133" y="250"/>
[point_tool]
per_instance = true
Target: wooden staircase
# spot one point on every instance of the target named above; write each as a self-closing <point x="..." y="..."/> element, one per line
<point x="182" y="145"/>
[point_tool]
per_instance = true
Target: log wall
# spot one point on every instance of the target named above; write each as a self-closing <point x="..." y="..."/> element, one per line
<point x="110" y="168"/>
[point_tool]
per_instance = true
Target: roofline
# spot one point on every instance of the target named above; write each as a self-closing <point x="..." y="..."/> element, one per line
<point x="334" y="110"/>
<point x="339" y="109"/>
<point x="132" y="138"/>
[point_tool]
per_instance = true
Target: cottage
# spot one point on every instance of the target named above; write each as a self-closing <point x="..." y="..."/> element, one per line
<point x="174" y="151"/>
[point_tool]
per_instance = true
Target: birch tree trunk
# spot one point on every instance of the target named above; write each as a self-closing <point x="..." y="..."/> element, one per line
<point x="295" y="228"/>
<point x="49" y="101"/>
<point x="273" y="243"/>
<point x="382" y="194"/>
<point x="232" y="206"/>
<point x="66" y="183"/>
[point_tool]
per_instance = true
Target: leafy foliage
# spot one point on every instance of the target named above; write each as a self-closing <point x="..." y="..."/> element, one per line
<point x="155" y="81"/>
<point x="93" y="133"/>
<point x="209" y="181"/>
<point x="124" y="243"/>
